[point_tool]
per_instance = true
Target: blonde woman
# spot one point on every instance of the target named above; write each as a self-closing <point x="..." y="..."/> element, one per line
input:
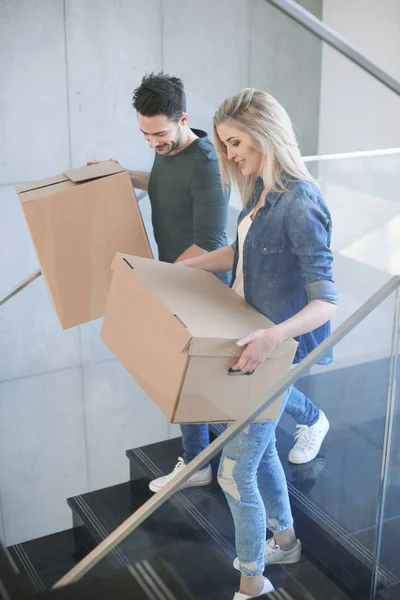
<point x="281" y="264"/>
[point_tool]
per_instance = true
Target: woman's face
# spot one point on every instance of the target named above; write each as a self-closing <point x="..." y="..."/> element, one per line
<point x="241" y="148"/>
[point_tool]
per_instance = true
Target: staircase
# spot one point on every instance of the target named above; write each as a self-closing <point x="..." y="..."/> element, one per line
<point x="191" y="534"/>
<point x="334" y="500"/>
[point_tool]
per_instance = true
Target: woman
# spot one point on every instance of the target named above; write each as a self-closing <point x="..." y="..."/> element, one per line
<point x="281" y="264"/>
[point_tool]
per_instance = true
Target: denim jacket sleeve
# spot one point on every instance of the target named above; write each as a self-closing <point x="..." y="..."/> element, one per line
<point x="210" y="206"/>
<point x="308" y="227"/>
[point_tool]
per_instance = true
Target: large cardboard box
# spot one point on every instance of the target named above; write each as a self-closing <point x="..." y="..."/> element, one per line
<point x="174" y="328"/>
<point x="78" y="221"/>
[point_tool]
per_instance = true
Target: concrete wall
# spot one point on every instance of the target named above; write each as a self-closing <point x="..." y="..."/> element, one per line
<point x="357" y="112"/>
<point x="286" y="61"/>
<point x="68" y="411"/>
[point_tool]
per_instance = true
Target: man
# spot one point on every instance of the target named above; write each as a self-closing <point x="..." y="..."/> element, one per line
<point x="189" y="215"/>
<point x="189" y="206"/>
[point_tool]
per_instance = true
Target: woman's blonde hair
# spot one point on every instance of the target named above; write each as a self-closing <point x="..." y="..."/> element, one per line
<point x="266" y="121"/>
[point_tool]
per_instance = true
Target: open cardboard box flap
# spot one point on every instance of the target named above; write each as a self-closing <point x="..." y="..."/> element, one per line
<point x="100" y="169"/>
<point x="36" y="185"/>
<point x="80" y="174"/>
<point x="212" y="320"/>
<point x="165" y="321"/>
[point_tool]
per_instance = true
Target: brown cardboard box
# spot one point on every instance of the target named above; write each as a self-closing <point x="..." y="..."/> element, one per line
<point x="78" y="222"/>
<point x="174" y="328"/>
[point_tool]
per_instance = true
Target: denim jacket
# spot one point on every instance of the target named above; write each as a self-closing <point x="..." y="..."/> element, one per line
<point x="287" y="260"/>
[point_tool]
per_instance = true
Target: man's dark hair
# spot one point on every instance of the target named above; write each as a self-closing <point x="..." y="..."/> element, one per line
<point x="160" y="95"/>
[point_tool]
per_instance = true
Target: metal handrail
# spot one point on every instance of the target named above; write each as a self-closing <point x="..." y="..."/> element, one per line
<point x="141" y="195"/>
<point x="331" y="37"/>
<point x="355" y="154"/>
<point x="20" y="287"/>
<point x="38" y="273"/>
<point x="202" y="459"/>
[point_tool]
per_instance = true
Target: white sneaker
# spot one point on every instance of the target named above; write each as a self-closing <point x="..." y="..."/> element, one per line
<point x="202" y="477"/>
<point x="268" y="587"/>
<point x="309" y="440"/>
<point x="274" y="555"/>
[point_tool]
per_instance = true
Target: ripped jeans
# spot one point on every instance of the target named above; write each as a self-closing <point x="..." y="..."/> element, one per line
<point x="197" y="437"/>
<point x="254" y="483"/>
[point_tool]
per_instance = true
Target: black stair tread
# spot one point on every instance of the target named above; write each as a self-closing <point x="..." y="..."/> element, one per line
<point x="172" y="526"/>
<point x="155" y="459"/>
<point x="390" y="548"/>
<point x="287" y="593"/>
<point x="178" y="541"/>
<point x="340" y="487"/>
<point x="122" y="584"/>
<point x="44" y="560"/>
<point x="13" y="583"/>
<point x="390" y="593"/>
<point x="342" y="568"/>
<point x="164" y="454"/>
<point x="183" y="548"/>
<point x="340" y="483"/>
<point x="187" y="549"/>
<point x="206" y="505"/>
<point x="348" y="461"/>
<point x="107" y="508"/>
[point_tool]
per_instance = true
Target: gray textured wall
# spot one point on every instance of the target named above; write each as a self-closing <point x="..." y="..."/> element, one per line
<point x="358" y="112"/>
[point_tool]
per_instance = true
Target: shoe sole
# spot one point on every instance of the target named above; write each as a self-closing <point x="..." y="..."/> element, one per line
<point x="185" y="485"/>
<point x="287" y="561"/>
<point x="303" y="461"/>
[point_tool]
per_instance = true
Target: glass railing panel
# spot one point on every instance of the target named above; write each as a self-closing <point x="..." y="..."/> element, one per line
<point x="387" y="545"/>
<point x="68" y="414"/>
<point x="365" y="205"/>
<point x="361" y="195"/>
<point x="335" y="496"/>
<point x="340" y="489"/>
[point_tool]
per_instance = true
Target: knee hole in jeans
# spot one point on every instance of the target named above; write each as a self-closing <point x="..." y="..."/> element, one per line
<point x="226" y="479"/>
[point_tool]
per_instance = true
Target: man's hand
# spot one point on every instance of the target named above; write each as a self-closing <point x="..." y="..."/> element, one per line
<point x="139" y="179"/>
<point x="260" y="344"/>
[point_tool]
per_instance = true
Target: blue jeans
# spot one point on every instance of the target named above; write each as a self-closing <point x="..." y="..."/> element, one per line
<point x="303" y="411"/>
<point x="254" y="483"/>
<point x="197" y="437"/>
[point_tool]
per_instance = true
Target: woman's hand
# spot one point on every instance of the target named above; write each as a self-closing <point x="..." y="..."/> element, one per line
<point x="260" y="344"/>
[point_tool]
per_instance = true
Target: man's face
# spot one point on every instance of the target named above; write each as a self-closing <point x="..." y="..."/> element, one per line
<point x="161" y="134"/>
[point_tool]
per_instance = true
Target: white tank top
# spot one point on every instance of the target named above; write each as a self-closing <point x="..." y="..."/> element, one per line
<point x="243" y="229"/>
<point x="238" y="285"/>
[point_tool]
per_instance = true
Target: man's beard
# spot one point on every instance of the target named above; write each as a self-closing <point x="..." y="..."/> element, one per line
<point x="175" y="143"/>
